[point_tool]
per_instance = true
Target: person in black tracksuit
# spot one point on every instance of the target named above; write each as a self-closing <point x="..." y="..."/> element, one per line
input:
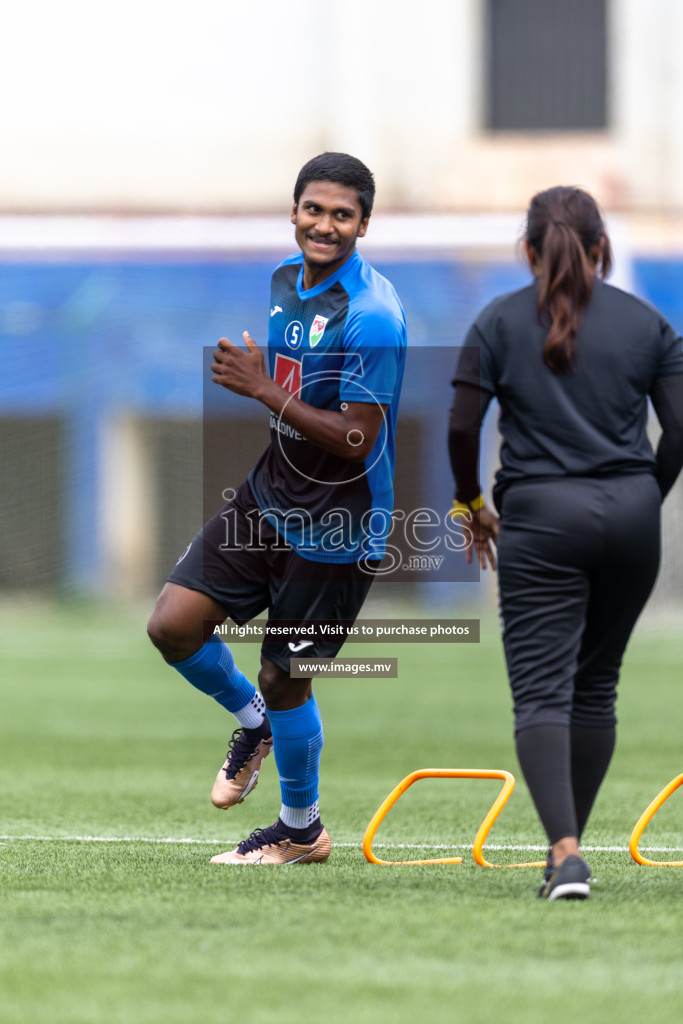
<point x="572" y="362"/>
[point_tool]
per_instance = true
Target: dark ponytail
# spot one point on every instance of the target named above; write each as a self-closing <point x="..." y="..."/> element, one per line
<point x="563" y="227"/>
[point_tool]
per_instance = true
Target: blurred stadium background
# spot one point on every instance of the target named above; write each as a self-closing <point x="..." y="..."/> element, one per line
<point x="149" y="154"/>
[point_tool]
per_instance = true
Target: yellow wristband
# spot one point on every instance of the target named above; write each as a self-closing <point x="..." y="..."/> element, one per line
<point x="468" y="506"/>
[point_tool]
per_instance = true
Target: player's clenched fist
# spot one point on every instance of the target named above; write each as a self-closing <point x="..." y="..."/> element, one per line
<point x="237" y="370"/>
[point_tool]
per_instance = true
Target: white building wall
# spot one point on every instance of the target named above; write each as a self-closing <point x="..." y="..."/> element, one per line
<point x="158" y="105"/>
<point x="647" y="36"/>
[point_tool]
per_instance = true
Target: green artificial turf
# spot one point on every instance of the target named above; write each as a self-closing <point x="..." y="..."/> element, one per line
<point x="99" y="739"/>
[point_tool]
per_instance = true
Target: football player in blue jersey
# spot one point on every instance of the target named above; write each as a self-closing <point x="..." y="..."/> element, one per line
<point x="302" y="537"/>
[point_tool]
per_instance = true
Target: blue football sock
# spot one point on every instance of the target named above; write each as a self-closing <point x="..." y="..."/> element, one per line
<point x="297" y="743"/>
<point x="213" y="671"/>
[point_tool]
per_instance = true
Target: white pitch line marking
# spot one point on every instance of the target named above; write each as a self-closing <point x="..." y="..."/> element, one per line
<point x="351" y="845"/>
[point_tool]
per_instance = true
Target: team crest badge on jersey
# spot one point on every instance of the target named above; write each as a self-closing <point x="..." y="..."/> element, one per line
<point x="317" y="329"/>
<point x="288" y="373"/>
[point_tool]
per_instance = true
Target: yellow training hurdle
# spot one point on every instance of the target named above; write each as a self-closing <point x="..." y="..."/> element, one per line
<point x="645" y="819"/>
<point x="508" y="780"/>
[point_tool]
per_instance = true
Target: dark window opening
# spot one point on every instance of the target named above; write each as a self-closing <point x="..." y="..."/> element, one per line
<point x="546" y="65"/>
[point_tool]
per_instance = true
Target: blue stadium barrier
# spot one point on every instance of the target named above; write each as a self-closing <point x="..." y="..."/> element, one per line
<point x="84" y="339"/>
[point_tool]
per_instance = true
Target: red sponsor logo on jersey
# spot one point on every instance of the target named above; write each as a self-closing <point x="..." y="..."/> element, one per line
<point x="288" y="373"/>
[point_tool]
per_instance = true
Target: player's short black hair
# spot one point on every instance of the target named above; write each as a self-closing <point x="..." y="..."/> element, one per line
<point x="345" y="170"/>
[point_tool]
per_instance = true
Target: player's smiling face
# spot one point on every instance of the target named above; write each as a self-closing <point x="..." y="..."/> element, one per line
<point x="328" y="219"/>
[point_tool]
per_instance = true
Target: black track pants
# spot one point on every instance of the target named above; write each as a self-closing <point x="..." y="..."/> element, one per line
<point x="577" y="559"/>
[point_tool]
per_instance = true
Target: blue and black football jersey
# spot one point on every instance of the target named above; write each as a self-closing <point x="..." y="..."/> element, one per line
<point x="342" y="341"/>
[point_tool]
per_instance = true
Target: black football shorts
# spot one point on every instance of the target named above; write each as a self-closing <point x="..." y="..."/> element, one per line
<point x="238" y="559"/>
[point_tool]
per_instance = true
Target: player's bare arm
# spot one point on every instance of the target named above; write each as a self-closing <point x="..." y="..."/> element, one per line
<point x="350" y="433"/>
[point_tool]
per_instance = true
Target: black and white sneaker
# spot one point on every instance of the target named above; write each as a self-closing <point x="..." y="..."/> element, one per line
<point x="571" y="881"/>
<point x="549" y="868"/>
